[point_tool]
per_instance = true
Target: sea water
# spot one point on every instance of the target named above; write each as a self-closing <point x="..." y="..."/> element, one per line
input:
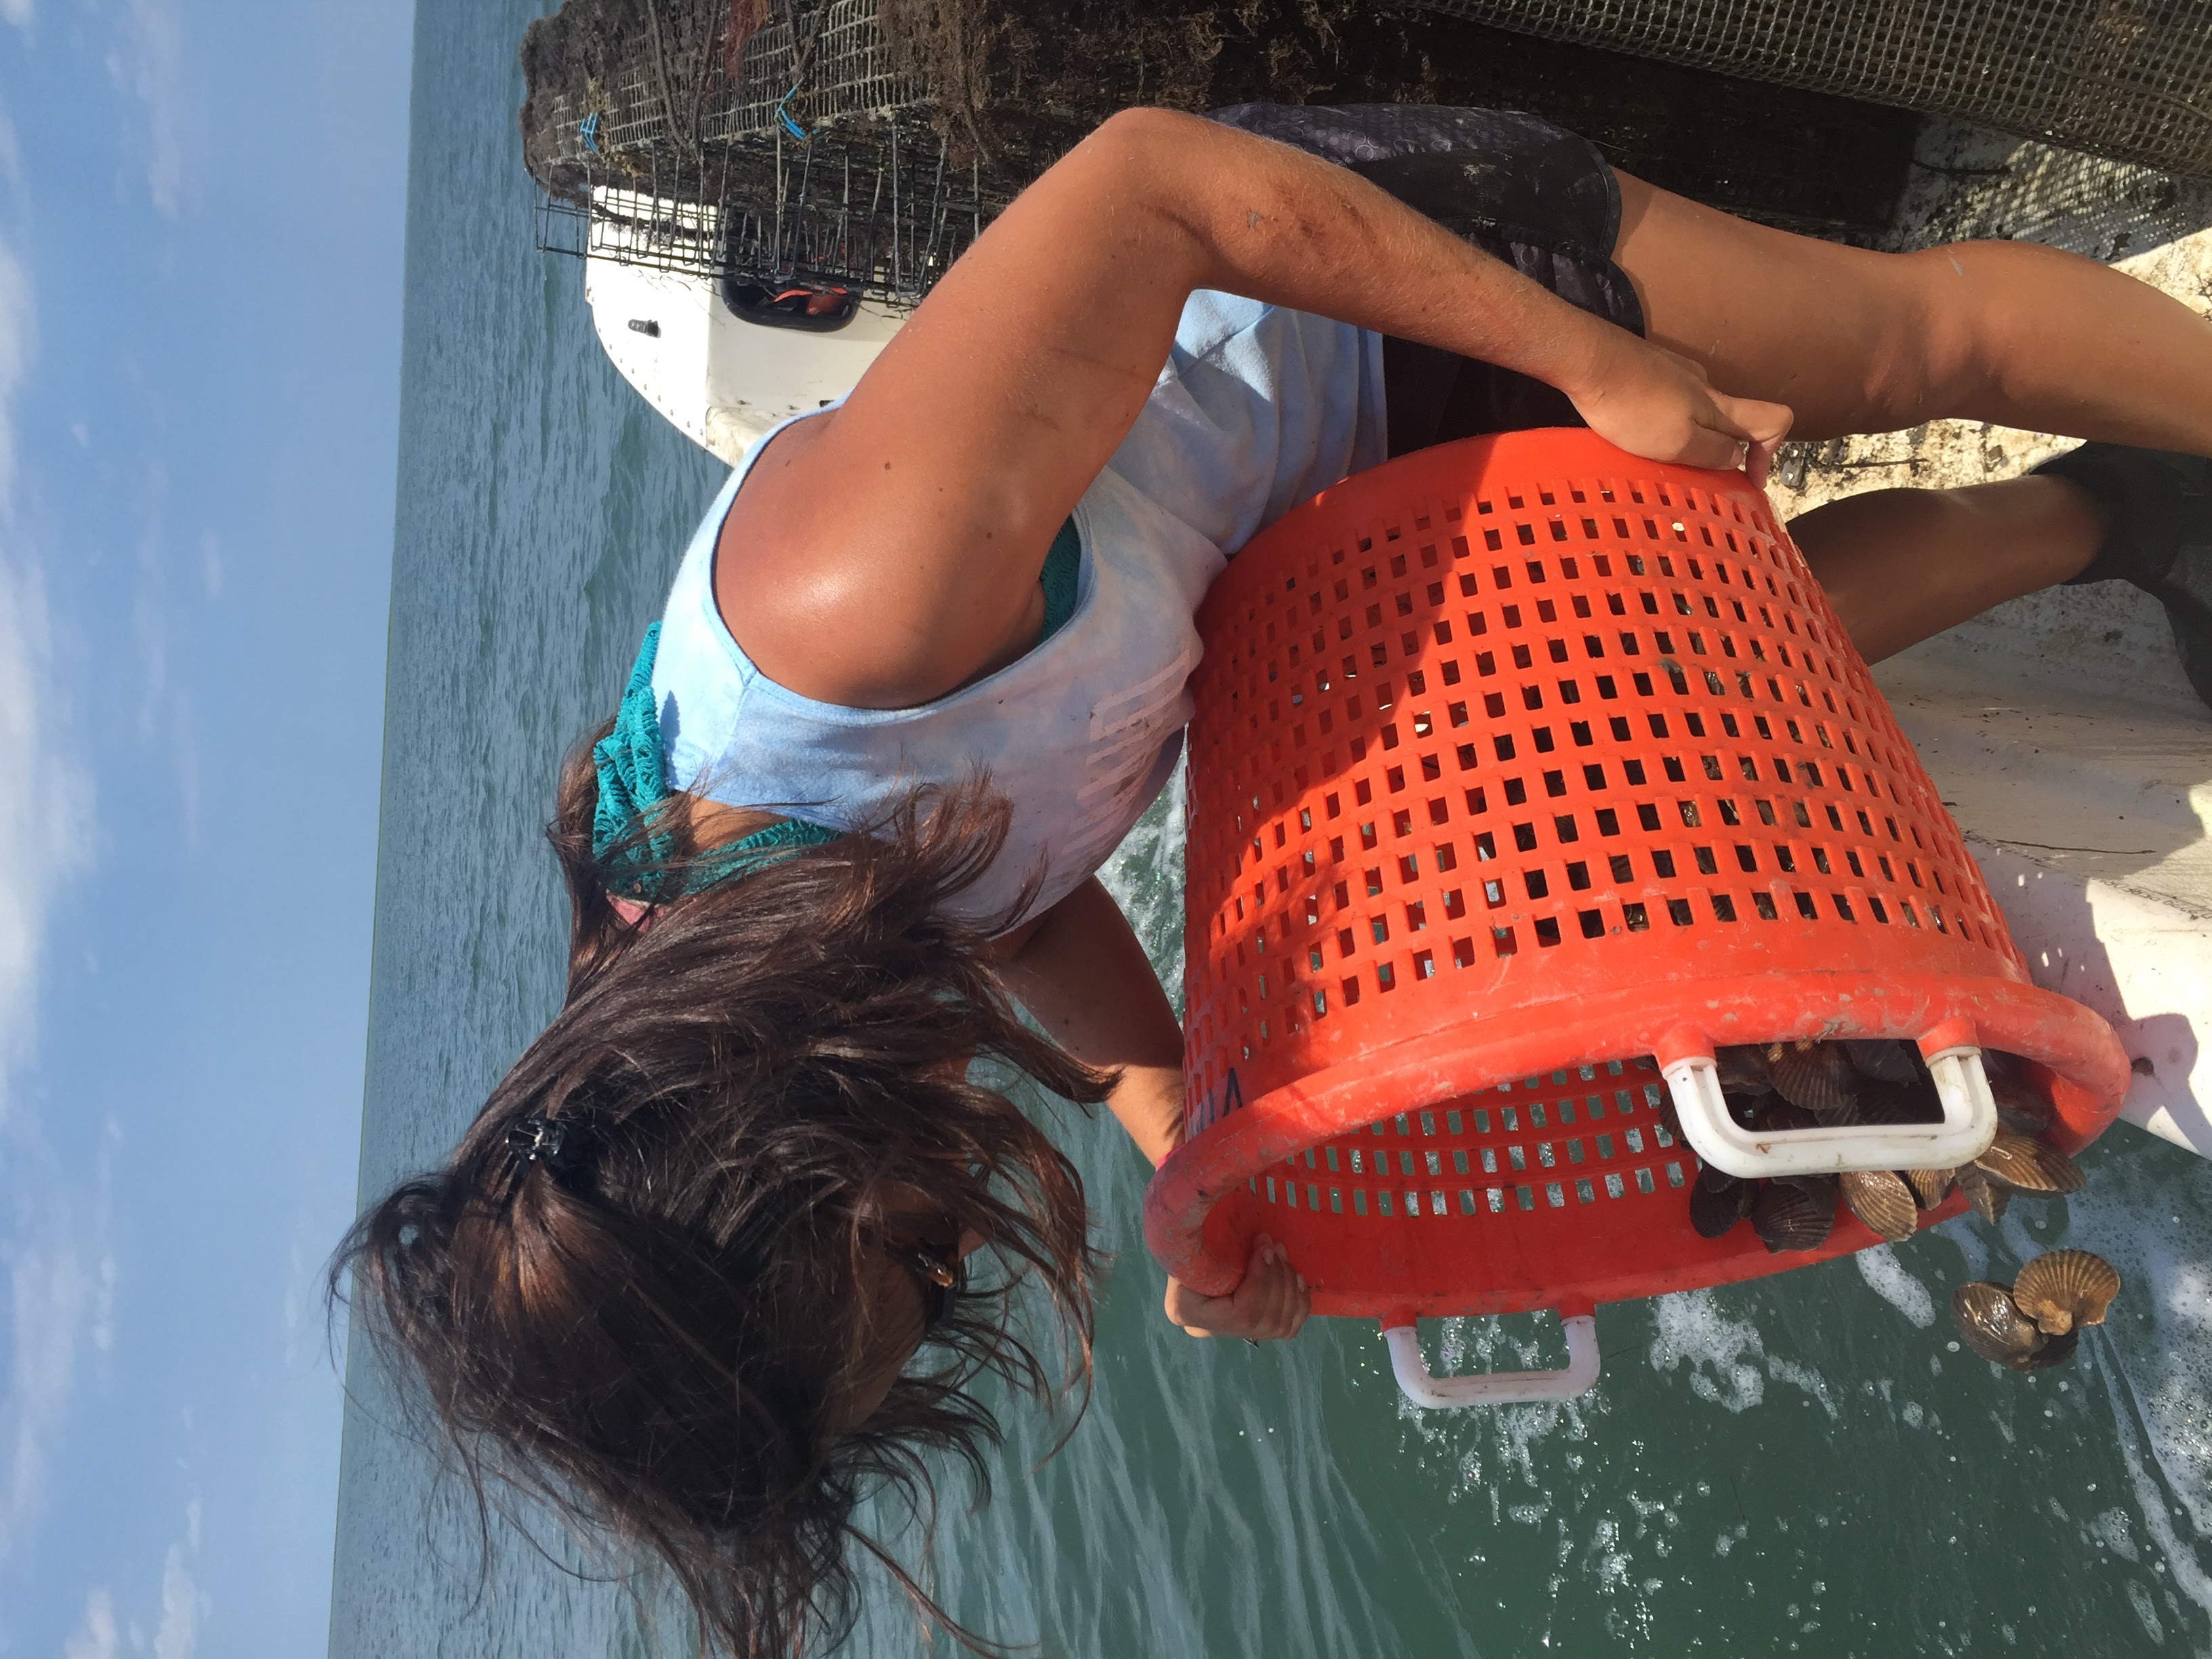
<point x="1810" y="1465"/>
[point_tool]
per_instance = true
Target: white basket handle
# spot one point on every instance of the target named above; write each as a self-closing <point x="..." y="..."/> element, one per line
<point x="1969" y="1125"/>
<point x="1431" y="1392"/>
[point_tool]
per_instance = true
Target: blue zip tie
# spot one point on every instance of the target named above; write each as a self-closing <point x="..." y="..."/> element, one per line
<point x="784" y="115"/>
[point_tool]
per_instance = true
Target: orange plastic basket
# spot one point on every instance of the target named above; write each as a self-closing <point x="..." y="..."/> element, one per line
<point x="1515" y="762"/>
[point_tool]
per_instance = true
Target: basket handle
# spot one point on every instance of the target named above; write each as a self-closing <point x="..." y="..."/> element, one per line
<point x="1431" y="1392"/>
<point x="1969" y="1125"/>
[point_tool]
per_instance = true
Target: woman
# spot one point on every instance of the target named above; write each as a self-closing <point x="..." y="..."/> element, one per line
<point x="696" y="1272"/>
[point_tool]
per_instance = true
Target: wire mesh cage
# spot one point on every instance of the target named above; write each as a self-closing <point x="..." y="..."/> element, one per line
<point x="809" y="66"/>
<point x="815" y="166"/>
<point x="2128" y="79"/>
<point x="882" y="217"/>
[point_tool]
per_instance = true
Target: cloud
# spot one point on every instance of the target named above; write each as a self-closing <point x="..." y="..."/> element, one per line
<point x="165" y="720"/>
<point x="101" y="1325"/>
<point x="51" y="1291"/>
<point x="97" y="1638"/>
<point x="182" y="1604"/>
<point x="20" y="13"/>
<point x="11" y="153"/>
<point x="60" y="1275"/>
<point x="45" y="813"/>
<point x="56" y="1272"/>
<point x="149" y="63"/>
<point x="149" y="605"/>
<point x="40" y="825"/>
<point x="18" y="336"/>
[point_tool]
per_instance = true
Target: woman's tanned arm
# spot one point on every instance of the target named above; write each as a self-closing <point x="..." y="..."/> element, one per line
<point x="1086" y="980"/>
<point x="1082" y="973"/>
<point x="881" y="555"/>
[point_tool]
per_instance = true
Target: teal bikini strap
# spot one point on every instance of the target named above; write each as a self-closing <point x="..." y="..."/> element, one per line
<point x="633" y="784"/>
<point x="631" y="781"/>
<point x="1063" y="565"/>
<point x="779" y="839"/>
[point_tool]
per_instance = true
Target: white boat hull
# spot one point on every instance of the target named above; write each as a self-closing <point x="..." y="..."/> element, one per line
<point x="721" y="381"/>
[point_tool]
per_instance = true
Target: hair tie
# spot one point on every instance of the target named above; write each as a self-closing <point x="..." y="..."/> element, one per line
<point x="537" y="1138"/>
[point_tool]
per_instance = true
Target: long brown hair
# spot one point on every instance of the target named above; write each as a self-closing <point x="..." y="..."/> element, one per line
<point x="648" y="1326"/>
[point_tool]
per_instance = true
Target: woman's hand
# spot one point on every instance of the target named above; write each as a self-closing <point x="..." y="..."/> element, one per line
<point x="1652" y="402"/>
<point x="1272" y="1301"/>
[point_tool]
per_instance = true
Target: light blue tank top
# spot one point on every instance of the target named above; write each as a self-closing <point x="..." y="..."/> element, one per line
<point x="1256" y="409"/>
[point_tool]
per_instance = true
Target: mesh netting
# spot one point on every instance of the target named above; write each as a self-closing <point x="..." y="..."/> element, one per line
<point x="818" y="66"/>
<point x="2131" y="79"/>
<point x="816" y="164"/>
<point x="884" y="214"/>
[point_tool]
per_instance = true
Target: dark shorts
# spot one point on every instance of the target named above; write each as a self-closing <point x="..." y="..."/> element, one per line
<point x="1521" y="190"/>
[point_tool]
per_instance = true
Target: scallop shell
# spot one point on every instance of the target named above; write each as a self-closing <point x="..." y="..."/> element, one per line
<point x="1815" y="1075"/>
<point x="2030" y="1165"/>
<point x="1883" y="1059"/>
<point x="1987" y="1196"/>
<point x="1742" y="1069"/>
<point x="1930" y="1186"/>
<point x="1778" y="1116"/>
<point x="1883" y="1201"/>
<point x="2020" y="1107"/>
<point x="1786" y="1216"/>
<point x="1993" y="1326"/>
<point x="2065" y="1290"/>
<point x="1717" y="1201"/>
<point x="1822" y="1187"/>
<point x="1892" y="1102"/>
<point x="2054" y="1351"/>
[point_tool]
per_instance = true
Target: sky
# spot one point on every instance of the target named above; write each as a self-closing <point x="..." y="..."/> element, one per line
<point x="201" y="241"/>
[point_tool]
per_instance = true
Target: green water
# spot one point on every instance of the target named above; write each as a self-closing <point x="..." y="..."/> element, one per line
<point x="1808" y="1465"/>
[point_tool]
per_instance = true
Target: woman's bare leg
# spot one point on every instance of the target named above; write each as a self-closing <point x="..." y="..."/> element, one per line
<point x="2009" y="332"/>
<point x="1903" y="565"/>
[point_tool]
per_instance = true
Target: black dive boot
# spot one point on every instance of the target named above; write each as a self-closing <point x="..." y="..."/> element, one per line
<point x="2160" y="538"/>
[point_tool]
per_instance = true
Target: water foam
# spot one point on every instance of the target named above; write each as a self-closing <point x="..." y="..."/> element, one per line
<point x="1888" y="1278"/>
<point x="2144" y="1214"/>
<point x="1717" y="1349"/>
<point x="1508" y="1437"/>
<point x="1725" y="1355"/>
<point x="1144" y="876"/>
